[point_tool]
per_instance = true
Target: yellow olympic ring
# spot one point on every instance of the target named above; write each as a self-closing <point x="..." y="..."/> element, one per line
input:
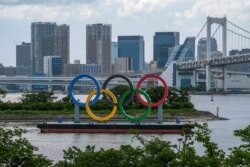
<point x="93" y="116"/>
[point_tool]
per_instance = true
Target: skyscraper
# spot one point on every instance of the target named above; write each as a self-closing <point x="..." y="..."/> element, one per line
<point x="63" y="43"/>
<point x="114" y="52"/>
<point x="123" y="65"/>
<point x="185" y="52"/>
<point x="188" y="49"/>
<point x="23" y="59"/>
<point x="163" y="43"/>
<point x="52" y="65"/>
<point x="43" y="43"/>
<point x="133" y="47"/>
<point x="202" y="48"/>
<point x="23" y="56"/>
<point x="48" y="39"/>
<point x="98" y="46"/>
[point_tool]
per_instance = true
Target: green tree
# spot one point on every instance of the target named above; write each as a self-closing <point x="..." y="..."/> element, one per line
<point x="155" y="93"/>
<point x="42" y="97"/>
<point x="66" y="99"/>
<point x="125" y="156"/>
<point x="16" y="151"/>
<point x="184" y="96"/>
<point x="2" y="94"/>
<point x="213" y="156"/>
<point x="176" y="98"/>
<point x="173" y="94"/>
<point x="119" y="90"/>
<point x="240" y="156"/>
<point x="157" y="153"/>
<point x="186" y="154"/>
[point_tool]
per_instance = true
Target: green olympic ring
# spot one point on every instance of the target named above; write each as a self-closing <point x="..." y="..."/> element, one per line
<point x="129" y="117"/>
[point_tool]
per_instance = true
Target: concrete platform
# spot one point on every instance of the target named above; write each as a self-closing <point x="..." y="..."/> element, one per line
<point x="113" y="128"/>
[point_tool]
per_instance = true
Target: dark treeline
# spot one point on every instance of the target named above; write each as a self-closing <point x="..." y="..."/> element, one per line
<point x="44" y="101"/>
<point x="16" y="151"/>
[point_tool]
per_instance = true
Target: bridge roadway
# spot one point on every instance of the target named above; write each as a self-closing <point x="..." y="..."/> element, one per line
<point x="191" y="65"/>
<point x="228" y="72"/>
<point x="65" y="81"/>
<point x="62" y="81"/>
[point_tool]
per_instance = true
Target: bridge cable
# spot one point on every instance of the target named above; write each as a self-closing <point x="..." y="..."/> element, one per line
<point x="189" y="44"/>
<point x="238" y="27"/>
<point x="238" y="34"/>
<point x="200" y="30"/>
<point x="216" y="30"/>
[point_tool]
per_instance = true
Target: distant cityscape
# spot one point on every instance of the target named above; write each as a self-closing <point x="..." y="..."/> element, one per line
<point x="48" y="53"/>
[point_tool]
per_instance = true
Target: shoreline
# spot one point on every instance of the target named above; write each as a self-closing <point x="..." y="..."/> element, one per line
<point x="34" y="119"/>
<point x="219" y="93"/>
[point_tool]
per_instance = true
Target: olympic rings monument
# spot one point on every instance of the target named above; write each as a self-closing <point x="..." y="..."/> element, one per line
<point x="101" y="125"/>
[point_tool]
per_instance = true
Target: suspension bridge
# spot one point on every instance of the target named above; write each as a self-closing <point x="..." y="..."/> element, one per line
<point x="222" y="44"/>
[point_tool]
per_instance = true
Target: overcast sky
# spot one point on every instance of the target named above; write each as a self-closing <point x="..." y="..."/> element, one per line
<point x="128" y="17"/>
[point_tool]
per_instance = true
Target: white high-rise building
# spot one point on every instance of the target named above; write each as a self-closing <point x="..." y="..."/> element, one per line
<point x="52" y="65"/>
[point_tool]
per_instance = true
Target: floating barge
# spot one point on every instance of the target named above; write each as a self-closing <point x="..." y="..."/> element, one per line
<point x="113" y="128"/>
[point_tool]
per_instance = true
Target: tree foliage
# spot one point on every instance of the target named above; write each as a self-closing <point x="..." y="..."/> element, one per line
<point x="41" y="97"/>
<point x="240" y="156"/>
<point x="158" y="153"/>
<point x="16" y="151"/>
<point x="2" y="94"/>
<point x="176" y="99"/>
<point x="44" y="101"/>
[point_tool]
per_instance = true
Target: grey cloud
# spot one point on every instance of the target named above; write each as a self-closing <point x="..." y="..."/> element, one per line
<point x="43" y="2"/>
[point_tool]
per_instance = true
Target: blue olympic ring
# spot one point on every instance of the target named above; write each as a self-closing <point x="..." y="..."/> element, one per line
<point x="71" y="87"/>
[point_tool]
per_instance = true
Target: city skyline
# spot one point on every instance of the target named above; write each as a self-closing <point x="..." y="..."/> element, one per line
<point x="126" y="17"/>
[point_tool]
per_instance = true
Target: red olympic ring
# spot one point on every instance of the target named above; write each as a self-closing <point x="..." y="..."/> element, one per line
<point x="165" y="90"/>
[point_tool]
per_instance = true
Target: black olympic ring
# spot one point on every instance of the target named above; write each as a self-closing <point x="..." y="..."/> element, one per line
<point x="127" y="100"/>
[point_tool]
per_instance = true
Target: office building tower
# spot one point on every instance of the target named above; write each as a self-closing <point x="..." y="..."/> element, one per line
<point x="163" y="43"/>
<point x="188" y="49"/>
<point x="184" y="52"/>
<point x="77" y="62"/>
<point x="1" y="69"/>
<point x="48" y="39"/>
<point x="52" y="65"/>
<point x="132" y="47"/>
<point x="23" y="59"/>
<point x="63" y="43"/>
<point x="9" y="71"/>
<point x="202" y="48"/>
<point x="152" y="65"/>
<point x="114" y="52"/>
<point x="43" y="43"/>
<point x="23" y="56"/>
<point x="91" y="69"/>
<point x="233" y="52"/>
<point x="98" y="46"/>
<point x="123" y="65"/>
<point x="72" y="69"/>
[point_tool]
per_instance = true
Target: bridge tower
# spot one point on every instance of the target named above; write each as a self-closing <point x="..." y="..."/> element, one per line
<point x="223" y="23"/>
